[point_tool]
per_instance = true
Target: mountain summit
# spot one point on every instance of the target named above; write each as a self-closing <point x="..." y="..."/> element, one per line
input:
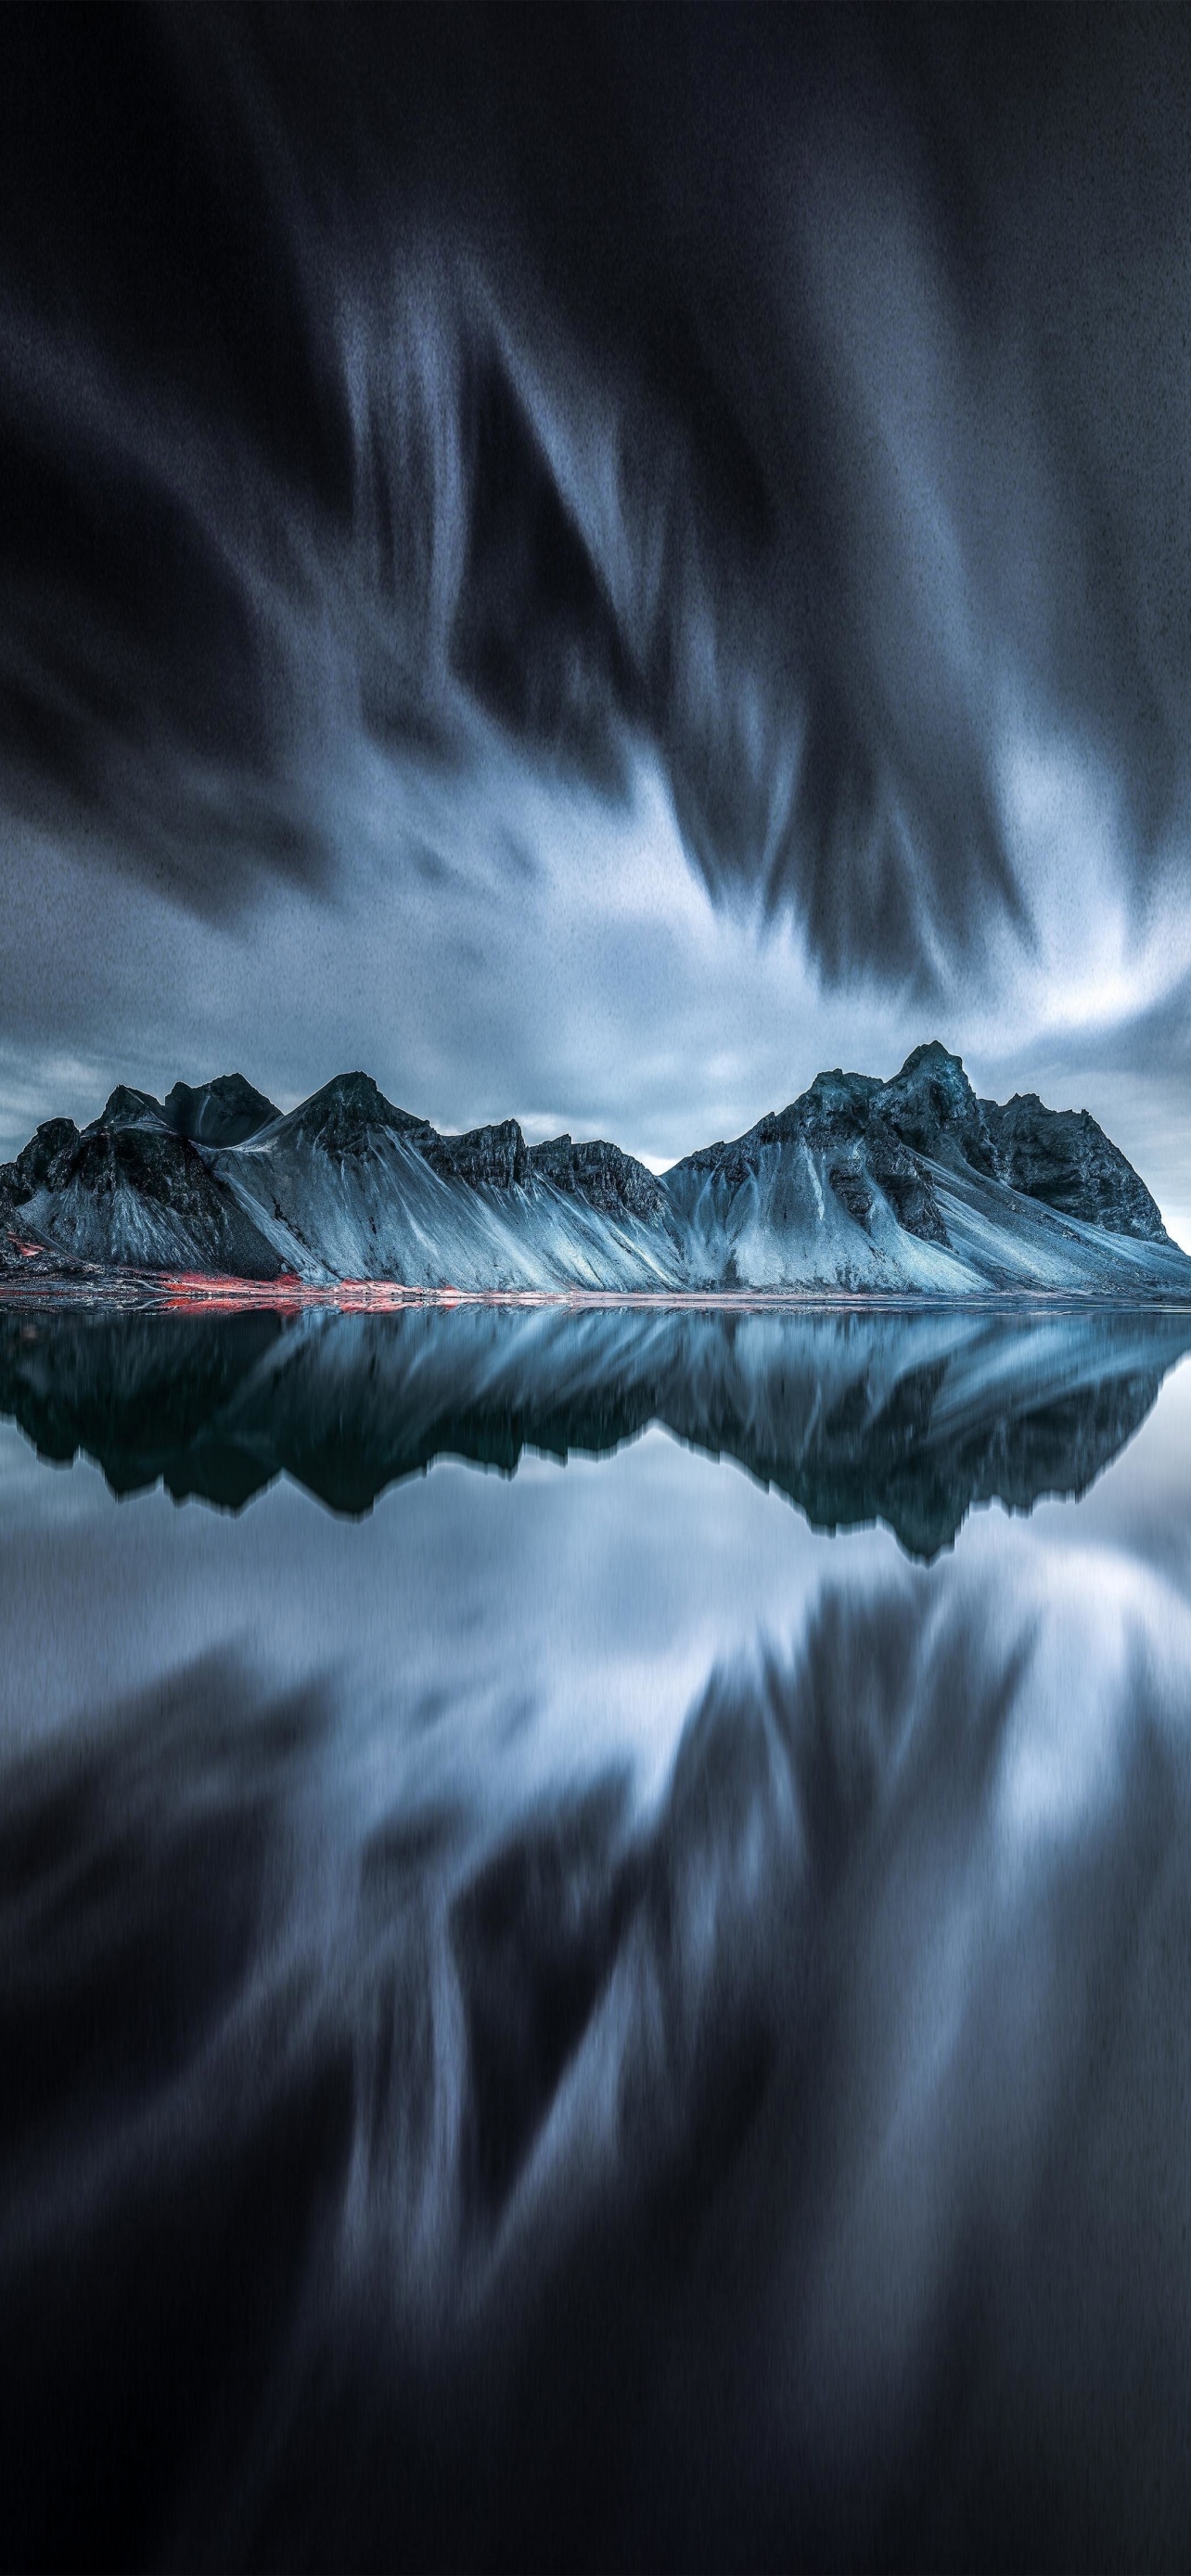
<point x="860" y="1185"/>
<point x="886" y="1138"/>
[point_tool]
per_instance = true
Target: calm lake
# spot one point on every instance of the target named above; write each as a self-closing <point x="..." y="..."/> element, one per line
<point x="595" y="1938"/>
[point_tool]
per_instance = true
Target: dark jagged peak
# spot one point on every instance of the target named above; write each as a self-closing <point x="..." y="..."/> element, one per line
<point x="869" y="1132"/>
<point x="132" y="1192"/>
<point x="600" y="1173"/>
<point x="835" y="1099"/>
<point x="126" y="1107"/>
<point x="931" y="1105"/>
<point x="933" y="1062"/>
<point x="834" y="1109"/>
<point x="929" y="1101"/>
<point x="1063" y="1158"/>
<point x="888" y="1133"/>
<point x="344" y="1116"/>
<point x="223" y="1112"/>
<point x="44" y="1163"/>
<point x="496" y="1157"/>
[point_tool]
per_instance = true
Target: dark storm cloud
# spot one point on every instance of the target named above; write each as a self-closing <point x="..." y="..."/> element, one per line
<point x="799" y="397"/>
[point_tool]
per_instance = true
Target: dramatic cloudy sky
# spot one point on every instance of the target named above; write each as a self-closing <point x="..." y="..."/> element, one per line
<point x="591" y="562"/>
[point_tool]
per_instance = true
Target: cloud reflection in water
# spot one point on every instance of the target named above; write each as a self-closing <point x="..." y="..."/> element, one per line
<point x="438" y="2132"/>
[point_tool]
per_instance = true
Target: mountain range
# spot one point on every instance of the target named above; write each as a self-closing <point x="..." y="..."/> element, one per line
<point x="913" y="1185"/>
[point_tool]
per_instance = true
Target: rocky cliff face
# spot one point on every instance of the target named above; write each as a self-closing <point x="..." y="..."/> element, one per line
<point x="1061" y="1157"/>
<point x="862" y="1184"/>
<point x="886" y="1132"/>
<point x="602" y="1175"/>
<point x="911" y="1185"/>
<point x="491" y="1157"/>
<point x="223" y="1112"/>
<point x="345" y="1117"/>
<point x="129" y="1195"/>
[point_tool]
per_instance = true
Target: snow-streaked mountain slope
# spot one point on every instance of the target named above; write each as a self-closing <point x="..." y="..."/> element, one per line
<point x="907" y="1187"/>
<point x="129" y="1195"/>
<point x="348" y="1187"/>
<point x="915" y="1184"/>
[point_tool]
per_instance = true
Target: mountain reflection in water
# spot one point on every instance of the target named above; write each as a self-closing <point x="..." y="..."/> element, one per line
<point x="573" y="2021"/>
<point x="908" y="1418"/>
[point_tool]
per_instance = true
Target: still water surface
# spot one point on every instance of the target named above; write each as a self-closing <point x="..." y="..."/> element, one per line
<point x="595" y="1939"/>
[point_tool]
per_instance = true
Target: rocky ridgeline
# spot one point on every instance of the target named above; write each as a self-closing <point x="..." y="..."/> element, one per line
<point x="601" y="1174"/>
<point x="914" y="1183"/>
<point x="138" y="1196"/>
<point x="885" y="1131"/>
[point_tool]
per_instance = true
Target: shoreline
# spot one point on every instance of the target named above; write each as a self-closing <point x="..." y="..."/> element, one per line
<point x="189" y="1292"/>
